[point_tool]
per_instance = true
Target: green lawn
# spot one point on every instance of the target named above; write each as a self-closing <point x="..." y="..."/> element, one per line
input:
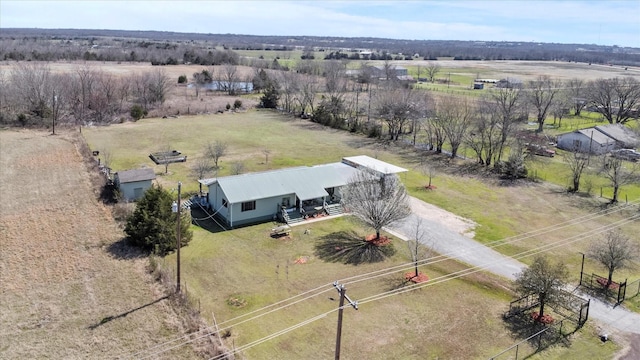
<point x="242" y="270"/>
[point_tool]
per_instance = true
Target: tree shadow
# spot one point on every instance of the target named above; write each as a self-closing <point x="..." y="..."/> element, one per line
<point x="124" y="314"/>
<point x="206" y="220"/>
<point x="121" y="250"/>
<point x="350" y="248"/>
<point x="522" y="326"/>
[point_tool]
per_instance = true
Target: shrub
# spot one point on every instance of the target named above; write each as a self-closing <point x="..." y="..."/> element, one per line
<point x="237" y="104"/>
<point x="182" y="79"/>
<point x="228" y="107"/>
<point x="137" y="112"/>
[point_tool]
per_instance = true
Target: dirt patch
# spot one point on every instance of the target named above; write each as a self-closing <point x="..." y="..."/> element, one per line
<point x="450" y="220"/>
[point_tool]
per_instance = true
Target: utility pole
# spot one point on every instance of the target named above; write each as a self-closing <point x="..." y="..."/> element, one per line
<point x="176" y="209"/>
<point x="53" y="114"/>
<point x="341" y="289"/>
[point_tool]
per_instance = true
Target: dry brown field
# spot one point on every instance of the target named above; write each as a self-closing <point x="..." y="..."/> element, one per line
<point x="67" y="290"/>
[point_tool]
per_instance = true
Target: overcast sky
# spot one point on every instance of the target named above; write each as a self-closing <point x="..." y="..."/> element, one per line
<point x="585" y="22"/>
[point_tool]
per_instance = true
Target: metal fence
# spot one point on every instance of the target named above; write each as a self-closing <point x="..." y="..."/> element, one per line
<point x="573" y="309"/>
<point x="633" y="290"/>
<point x="538" y="341"/>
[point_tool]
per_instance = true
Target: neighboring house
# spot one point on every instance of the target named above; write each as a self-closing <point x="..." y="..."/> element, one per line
<point x="586" y="141"/>
<point x="133" y="183"/>
<point x="290" y="195"/>
<point x="623" y="136"/>
<point x="509" y="83"/>
<point x="381" y="72"/>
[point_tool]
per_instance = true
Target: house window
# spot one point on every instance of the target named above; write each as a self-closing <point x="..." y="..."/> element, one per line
<point x="224" y="202"/>
<point x="249" y="205"/>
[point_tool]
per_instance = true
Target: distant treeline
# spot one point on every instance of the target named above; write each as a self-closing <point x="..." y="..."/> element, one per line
<point x="167" y="48"/>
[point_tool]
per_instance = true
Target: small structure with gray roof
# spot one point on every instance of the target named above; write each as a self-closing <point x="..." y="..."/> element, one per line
<point x="290" y="195"/>
<point x="133" y="183"/>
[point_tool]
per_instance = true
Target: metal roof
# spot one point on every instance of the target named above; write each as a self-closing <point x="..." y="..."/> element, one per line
<point x="129" y="176"/>
<point x="619" y="133"/>
<point x="373" y="164"/>
<point x="596" y="136"/>
<point x="306" y="182"/>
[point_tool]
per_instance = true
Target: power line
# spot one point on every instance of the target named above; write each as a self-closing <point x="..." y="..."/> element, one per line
<point x="431" y="283"/>
<point x="387" y="271"/>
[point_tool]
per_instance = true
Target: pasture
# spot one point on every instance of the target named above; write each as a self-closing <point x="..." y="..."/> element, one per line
<point x="69" y="289"/>
<point x="245" y="266"/>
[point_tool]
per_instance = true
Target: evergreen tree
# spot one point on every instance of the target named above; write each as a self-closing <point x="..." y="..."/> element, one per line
<point x="270" y="97"/>
<point x="152" y="226"/>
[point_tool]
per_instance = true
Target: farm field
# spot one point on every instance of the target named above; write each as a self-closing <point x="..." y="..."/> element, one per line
<point x="240" y="284"/>
<point x="68" y="288"/>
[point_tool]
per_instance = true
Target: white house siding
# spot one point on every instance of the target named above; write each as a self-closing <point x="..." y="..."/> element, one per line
<point x="585" y="143"/>
<point x="265" y="209"/>
<point x="129" y="192"/>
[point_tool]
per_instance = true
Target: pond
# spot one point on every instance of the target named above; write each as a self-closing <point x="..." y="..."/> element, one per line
<point x="240" y="86"/>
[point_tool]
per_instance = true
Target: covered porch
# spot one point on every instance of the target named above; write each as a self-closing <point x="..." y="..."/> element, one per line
<point x="312" y="207"/>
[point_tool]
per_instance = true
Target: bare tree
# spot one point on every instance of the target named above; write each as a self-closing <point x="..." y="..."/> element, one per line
<point x="432" y="70"/>
<point x="541" y="93"/>
<point x="201" y="168"/>
<point x="398" y="106"/>
<point x="485" y="134"/>
<point x="543" y="279"/>
<point x="430" y="172"/>
<point x="376" y="201"/>
<point x="335" y="78"/>
<point x="32" y="84"/>
<point x="560" y="107"/>
<point x="615" y="252"/>
<point x="237" y="168"/>
<point x="619" y="175"/>
<point x="199" y="79"/>
<point x="616" y="99"/>
<point x="159" y="85"/>
<point x="229" y="79"/>
<point x="216" y="150"/>
<point x="455" y="116"/>
<point x="308" y="88"/>
<point x="576" y="94"/>
<point x="417" y="245"/>
<point x="576" y="162"/>
<point x="288" y="82"/>
<point x="506" y="106"/>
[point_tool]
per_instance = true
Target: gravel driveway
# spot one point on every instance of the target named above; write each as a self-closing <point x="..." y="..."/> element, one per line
<point x="451" y="235"/>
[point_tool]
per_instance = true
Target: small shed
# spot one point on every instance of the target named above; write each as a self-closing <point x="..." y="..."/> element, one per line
<point x="586" y="141"/>
<point x="133" y="183"/>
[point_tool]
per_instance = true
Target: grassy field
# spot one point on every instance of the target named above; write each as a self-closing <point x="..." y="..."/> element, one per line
<point x="221" y="267"/>
<point x="68" y="289"/>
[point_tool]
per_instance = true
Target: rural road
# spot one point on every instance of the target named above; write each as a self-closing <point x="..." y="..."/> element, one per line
<point x="445" y="235"/>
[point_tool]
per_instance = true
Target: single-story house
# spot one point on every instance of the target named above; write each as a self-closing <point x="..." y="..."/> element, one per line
<point x="133" y="183"/>
<point x="623" y="136"/>
<point x="586" y="141"/>
<point x="287" y="194"/>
